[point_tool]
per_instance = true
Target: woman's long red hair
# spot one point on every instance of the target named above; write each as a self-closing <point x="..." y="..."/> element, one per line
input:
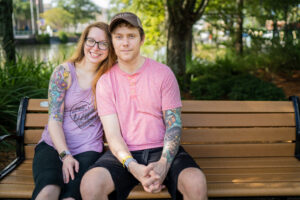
<point x="106" y="64"/>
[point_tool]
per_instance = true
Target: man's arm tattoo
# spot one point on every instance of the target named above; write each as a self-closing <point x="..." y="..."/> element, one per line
<point x="173" y="124"/>
<point x="56" y="93"/>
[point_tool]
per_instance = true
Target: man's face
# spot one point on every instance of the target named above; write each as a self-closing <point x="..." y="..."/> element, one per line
<point x="127" y="42"/>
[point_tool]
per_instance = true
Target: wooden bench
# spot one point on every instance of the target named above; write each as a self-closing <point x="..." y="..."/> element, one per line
<point x="245" y="148"/>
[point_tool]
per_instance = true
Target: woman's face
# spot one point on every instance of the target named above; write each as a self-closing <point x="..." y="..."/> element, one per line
<point x="96" y="46"/>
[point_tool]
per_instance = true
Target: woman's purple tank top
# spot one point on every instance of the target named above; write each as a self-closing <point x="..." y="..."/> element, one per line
<point x="81" y="124"/>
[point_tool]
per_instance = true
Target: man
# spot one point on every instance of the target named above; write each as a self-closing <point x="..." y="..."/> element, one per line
<point x="138" y="102"/>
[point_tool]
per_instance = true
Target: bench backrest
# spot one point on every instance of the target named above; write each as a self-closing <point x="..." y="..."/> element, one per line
<point x="211" y="129"/>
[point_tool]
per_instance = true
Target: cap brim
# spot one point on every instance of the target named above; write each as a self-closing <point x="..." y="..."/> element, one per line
<point x="112" y="24"/>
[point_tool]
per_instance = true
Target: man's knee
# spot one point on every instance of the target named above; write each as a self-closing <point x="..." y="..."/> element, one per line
<point x="95" y="182"/>
<point x="192" y="184"/>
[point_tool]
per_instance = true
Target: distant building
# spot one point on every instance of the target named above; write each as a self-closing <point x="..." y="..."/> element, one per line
<point x="25" y="28"/>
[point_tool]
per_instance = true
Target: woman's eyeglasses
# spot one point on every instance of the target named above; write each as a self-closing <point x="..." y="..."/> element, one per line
<point x="101" y="45"/>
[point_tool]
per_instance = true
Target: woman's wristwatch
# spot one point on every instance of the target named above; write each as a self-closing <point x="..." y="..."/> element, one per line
<point x="63" y="154"/>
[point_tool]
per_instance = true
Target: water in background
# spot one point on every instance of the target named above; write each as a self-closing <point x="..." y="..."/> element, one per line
<point x="55" y="53"/>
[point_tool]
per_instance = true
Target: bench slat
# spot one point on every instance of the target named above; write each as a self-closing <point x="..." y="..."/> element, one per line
<point x="210" y="171"/>
<point x="34" y="105"/>
<point x="211" y="178"/>
<point x="256" y="162"/>
<point x="16" y="190"/>
<point x="237" y="135"/>
<point x="21" y="172"/>
<point x="208" y="106"/>
<point x="228" y="163"/>
<point x="223" y="150"/>
<point x="214" y="190"/>
<point x="25" y="165"/>
<point x="237" y="106"/>
<point x="238" y="120"/>
<point x="253" y="189"/>
<point x="211" y="135"/>
<point x="33" y="136"/>
<point x="25" y="191"/>
<point x="17" y="180"/>
<point x="240" y="150"/>
<point x="205" y="120"/>
<point x="36" y="120"/>
<point x="252" y="178"/>
<point x="248" y="171"/>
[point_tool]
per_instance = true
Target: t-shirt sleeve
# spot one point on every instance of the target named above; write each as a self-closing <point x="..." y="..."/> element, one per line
<point x="105" y="96"/>
<point x="170" y="91"/>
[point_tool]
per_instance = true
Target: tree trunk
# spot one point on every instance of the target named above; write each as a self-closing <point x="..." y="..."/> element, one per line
<point x="189" y="47"/>
<point x="275" y="30"/>
<point x="178" y="35"/>
<point x="177" y="53"/>
<point x="239" y="28"/>
<point x="6" y="30"/>
<point x="287" y="32"/>
<point x="182" y="15"/>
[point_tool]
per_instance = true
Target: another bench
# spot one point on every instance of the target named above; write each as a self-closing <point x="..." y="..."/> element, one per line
<point x="245" y="148"/>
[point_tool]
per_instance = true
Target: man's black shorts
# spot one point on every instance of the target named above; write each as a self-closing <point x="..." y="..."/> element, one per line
<point x="124" y="181"/>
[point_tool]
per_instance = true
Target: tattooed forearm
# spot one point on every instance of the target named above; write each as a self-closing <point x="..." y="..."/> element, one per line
<point x="56" y="93"/>
<point x="172" y="120"/>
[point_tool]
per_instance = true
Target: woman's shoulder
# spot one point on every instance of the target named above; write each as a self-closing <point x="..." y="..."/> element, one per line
<point x="63" y="66"/>
<point x="62" y="74"/>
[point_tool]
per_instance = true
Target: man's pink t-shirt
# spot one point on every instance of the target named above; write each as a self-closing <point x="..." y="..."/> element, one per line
<point x="138" y="100"/>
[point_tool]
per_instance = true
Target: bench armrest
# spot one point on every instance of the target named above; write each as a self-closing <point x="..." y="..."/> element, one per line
<point x="296" y="104"/>
<point x="18" y="160"/>
<point x="19" y="137"/>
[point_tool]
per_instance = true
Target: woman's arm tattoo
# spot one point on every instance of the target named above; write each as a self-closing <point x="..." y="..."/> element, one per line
<point x="56" y="93"/>
<point x="172" y="119"/>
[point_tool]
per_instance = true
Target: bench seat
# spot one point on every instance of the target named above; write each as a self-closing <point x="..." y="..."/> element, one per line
<point x="245" y="148"/>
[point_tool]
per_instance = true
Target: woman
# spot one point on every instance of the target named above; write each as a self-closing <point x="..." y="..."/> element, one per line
<point x="72" y="140"/>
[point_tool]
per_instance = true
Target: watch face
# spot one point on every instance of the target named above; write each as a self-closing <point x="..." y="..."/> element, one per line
<point x="62" y="154"/>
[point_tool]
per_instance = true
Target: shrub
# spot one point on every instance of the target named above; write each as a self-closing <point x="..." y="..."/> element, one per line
<point x="43" y="38"/>
<point x="63" y="37"/>
<point x="249" y="87"/>
<point x="226" y="80"/>
<point x="25" y="78"/>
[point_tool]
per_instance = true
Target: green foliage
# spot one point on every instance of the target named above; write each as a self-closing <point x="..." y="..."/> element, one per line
<point x="152" y="15"/>
<point x="25" y="78"/>
<point x="63" y="37"/>
<point x="249" y="87"/>
<point x="221" y="14"/>
<point x="21" y="9"/>
<point x="58" y="18"/>
<point x="274" y="57"/>
<point x="225" y="80"/>
<point x="43" y="38"/>
<point x="82" y="11"/>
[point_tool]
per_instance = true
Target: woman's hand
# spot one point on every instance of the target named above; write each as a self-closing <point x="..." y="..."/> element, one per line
<point x="69" y="163"/>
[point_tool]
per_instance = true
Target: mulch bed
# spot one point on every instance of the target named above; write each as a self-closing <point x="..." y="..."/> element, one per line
<point x="6" y="158"/>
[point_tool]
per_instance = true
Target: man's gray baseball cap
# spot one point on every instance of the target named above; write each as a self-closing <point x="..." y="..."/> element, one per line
<point x="128" y="17"/>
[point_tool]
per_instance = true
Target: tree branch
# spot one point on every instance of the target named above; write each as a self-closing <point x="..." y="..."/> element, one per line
<point x="200" y="10"/>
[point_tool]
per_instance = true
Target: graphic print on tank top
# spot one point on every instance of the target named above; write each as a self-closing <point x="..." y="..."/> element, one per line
<point x="83" y="114"/>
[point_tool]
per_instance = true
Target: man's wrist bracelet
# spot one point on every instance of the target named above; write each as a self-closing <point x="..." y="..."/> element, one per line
<point x="124" y="160"/>
<point x="129" y="160"/>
